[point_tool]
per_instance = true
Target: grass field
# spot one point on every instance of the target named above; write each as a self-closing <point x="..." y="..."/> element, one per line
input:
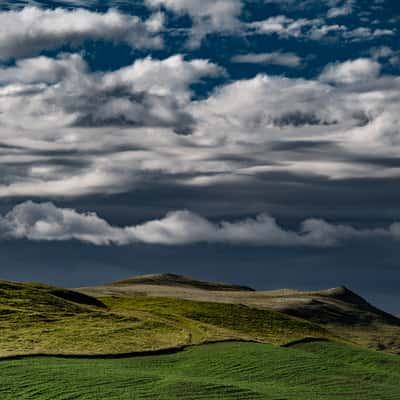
<point x="313" y="371"/>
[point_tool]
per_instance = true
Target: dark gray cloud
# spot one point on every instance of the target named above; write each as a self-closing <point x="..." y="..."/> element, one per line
<point x="120" y="107"/>
<point x="299" y="118"/>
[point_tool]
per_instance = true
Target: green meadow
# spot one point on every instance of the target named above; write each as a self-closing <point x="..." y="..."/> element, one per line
<point x="313" y="371"/>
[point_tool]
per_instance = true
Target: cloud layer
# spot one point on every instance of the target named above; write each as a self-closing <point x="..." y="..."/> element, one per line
<point x="68" y="131"/>
<point x="46" y="222"/>
<point x="31" y="30"/>
<point x="75" y="122"/>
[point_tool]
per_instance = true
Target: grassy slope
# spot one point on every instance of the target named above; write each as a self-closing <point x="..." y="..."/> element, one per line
<point x="315" y="371"/>
<point x="38" y="319"/>
<point x="338" y="310"/>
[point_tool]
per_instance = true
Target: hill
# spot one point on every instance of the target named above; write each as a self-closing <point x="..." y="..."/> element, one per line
<point x="228" y="371"/>
<point x="180" y="281"/>
<point x="339" y="310"/>
<point x="40" y="319"/>
<point x="128" y="342"/>
<point x="170" y="312"/>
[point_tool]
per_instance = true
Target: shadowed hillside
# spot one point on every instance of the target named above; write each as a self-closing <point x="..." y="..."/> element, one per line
<point x="338" y="305"/>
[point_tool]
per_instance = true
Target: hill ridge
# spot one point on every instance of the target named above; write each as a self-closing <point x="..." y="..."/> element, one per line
<point x="170" y="279"/>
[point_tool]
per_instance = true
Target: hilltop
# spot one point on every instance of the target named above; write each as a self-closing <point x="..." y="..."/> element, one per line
<point x="180" y="281"/>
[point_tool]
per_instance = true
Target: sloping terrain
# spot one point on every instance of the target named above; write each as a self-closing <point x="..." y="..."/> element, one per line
<point x="39" y="319"/>
<point x="314" y="371"/>
<point x="338" y="310"/>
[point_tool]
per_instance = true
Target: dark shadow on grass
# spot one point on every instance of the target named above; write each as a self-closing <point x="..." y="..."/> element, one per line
<point x="159" y="352"/>
<point x="305" y="340"/>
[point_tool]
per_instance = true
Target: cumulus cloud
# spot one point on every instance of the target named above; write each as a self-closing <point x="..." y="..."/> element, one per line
<point x="313" y="29"/>
<point x="274" y="58"/>
<point x="385" y="53"/>
<point x="282" y="25"/>
<point x="302" y="28"/>
<point x="46" y="222"/>
<point x="339" y="10"/>
<point x="31" y="30"/>
<point x="208" y="15"/>
<point x="360" y="70"/>
<point x="171" y="76"/>
<point x="67" y="131"/>
<point x="364" y="33"/>
<point x="147" y="93"/>
<point x="258" y="109"/>
<point x="359" y="118"/>
<point x="43" y="69"/>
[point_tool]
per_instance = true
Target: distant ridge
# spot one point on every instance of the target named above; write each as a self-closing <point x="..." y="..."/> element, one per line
<point x="337" y="305"/>
<point x="181" y="281"/>
<point x="346" y="295"/>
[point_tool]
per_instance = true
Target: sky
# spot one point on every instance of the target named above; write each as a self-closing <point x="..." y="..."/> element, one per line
<point x="247" y="141"/>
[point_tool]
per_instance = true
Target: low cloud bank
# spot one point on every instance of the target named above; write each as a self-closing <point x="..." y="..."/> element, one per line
<point x="47" y="222"/>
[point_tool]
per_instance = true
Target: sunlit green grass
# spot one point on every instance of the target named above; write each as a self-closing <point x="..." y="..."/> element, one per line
<point x="38" y="319"/>
<point x="315" y="371"/>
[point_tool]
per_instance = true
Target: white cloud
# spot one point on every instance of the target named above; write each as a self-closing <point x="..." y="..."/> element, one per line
<point x="147" y="93"/>
<point x="283" y="26"/>
<point x="274" y="58"/>
<point x="364" y="33"/>
<point x="31" y="30"/>
<point x="338" y="11"/>
<point x="360" y="70"/>
<point x="171" y="76"/>
<point x="75" y="132"/>
<point x="43" y="69"/>
<point x="313" y="29"/>
<point x="381" y="52"/>
<point x="302" y="28"/>
<point x="208" y="15"/>
<point x="67" y="131"/>
<point x="46" y="222"/>
<point x="266" y="108"/>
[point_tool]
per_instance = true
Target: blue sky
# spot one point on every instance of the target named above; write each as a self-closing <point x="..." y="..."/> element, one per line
<point x="250" y="141"/>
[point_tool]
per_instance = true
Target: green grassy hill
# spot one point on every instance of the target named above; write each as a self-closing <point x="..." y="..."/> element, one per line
<point x="61" y="344"/>
<point x="338" y="310"/>
<point x="314" y="371"/>
<point x="39" y="319"/>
